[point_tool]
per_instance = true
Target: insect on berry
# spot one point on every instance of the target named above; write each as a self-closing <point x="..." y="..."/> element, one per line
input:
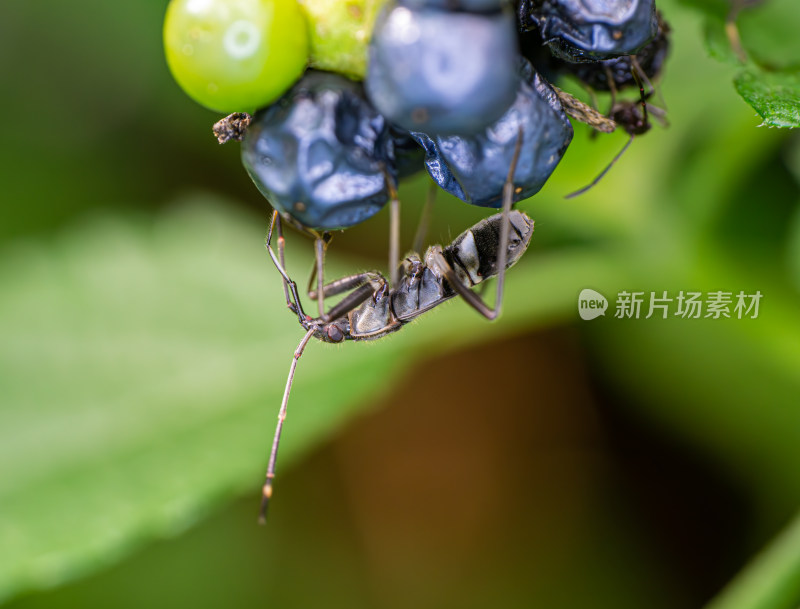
<point x="370" y="309"/>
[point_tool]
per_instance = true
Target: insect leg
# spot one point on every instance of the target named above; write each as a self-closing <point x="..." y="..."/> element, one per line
<point x="266" y="491"/>
<point x="310" y="291"/>
<point x="318" y="272"/>
<point x="276" y="220"/>
<point x="602" y="174"/>
<point x="394" y="230"/>
<point x="319" y="251"/>
<point x="636" y="68"/>
<point x="612" y="87"/>
<point x="365" y="284"/>
<point x="288" y="284"/>
<point x="472" y="299"/>
<point x="505" y="227"/>
<point x="425" y="219"/>
<point x="350" y="282"/>
<point x="642" y="95"/>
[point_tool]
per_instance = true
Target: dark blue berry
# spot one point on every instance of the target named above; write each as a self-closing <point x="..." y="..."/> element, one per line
<point x="538" y="53"/>
<point x="650" y="59"/>
<point x="588" y="30"/>
<point x="319" y="153"/>
<point x="474" y="168"/>
<point x="442" y="72"/>
<point x="409" y="157"/>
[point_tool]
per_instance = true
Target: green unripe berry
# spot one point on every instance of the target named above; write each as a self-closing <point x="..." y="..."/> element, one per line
<point x="340" y="33"/>
<point x="235" y="55"/>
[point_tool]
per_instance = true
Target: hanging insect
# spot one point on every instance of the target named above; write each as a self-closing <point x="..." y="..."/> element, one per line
<point x="613" y="75"/>
<point x="372" y="308"/>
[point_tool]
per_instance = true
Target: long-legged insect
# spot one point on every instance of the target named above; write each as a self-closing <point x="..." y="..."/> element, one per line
<point x="613" y="75"/>
<point x="372" y="308"/>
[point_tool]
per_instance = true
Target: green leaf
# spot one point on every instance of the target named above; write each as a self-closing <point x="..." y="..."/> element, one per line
<point x="775" y="96"/>
<point x="142" y="367"/>
<point x="717" y="43"/>
<point x="771" y="580"/>
<point x="769" y="34"/>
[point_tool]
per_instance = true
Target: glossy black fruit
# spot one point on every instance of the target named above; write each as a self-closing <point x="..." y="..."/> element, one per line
<point x="649" y="59"/>
<point x="441" y="71"/>
<point x="588" y="30"/>
<point x="319" y="153"/>
<point x="409" y="157"/>
<point x="474" y="168"/>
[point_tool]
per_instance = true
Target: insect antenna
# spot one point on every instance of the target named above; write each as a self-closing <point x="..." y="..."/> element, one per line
<point x="624" y="115"/>
<point x="273" y="455"/>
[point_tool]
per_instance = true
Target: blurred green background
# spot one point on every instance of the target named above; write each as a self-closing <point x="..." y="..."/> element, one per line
<point x="537" y="461"/>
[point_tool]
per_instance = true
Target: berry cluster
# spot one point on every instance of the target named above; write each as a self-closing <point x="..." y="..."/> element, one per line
<point x="450" y="85"/>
